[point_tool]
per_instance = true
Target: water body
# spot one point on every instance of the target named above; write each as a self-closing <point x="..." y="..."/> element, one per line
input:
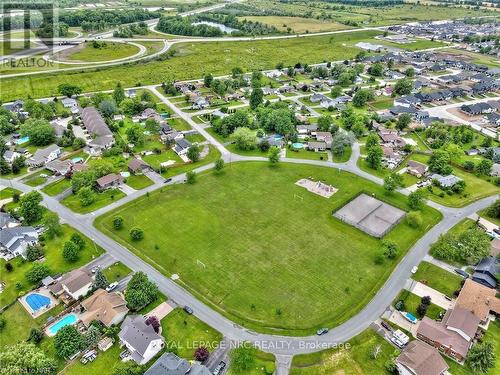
<point x="221" y="27"/>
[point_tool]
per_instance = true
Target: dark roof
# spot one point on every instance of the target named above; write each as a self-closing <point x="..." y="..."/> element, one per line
<point x="169" y="364"/>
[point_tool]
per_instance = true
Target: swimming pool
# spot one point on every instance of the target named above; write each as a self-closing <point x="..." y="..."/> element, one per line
<point x="22" y="140"/>
<point x="66" y="321"/>
<point x="77" y="160"/>
<point x="37" y="301"/>
<point x="297" y="145"/>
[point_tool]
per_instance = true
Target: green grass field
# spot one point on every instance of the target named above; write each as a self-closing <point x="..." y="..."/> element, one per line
<point x="484" y="214"/>
<point x="139" y="182"/>
<point x="438" y="278"/>
<point x="297" y="24"/>
<point x="102" y="199"/>
<point x="354" y="359"/>
<point x="107" y="51"/>
<point x="258" y="238"/>
<point x="57" y="187"/>
<point x="8" y="192"/>
<point x="53" y="259"/>
<point x="186" y="332"/>
<point x="116" y="272"/>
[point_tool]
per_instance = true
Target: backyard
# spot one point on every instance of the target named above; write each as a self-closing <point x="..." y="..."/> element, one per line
<point x="195" y="238"/>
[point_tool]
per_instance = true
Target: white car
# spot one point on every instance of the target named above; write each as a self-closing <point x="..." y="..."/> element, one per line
<point x="414" y="269"/>
<point x="111" y="286"/>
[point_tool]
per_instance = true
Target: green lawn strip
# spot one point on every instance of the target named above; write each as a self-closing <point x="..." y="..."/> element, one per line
<point x="57" y="187"/>
<point x="138" y="182"/>
<point x="159" y="300"/>
<point x="483" y="214"/>
<point x="352" y="359"/>
<point x="263" y="198"/>
<point x="412" y="301"/>
<point x="194" y="60"/>
<point x="102" y="199"/>
<point x="185" y="333"/>
<point x="36" y="179"/>
<point x="255" y="152"/>
<point x="103" y="364"/>
<point x="344" y="157"/>
<point x="53" y="259"/>
<point x="264" y="364"/>
<point x="116" y="272"/>
<point x="212" y="156"/>
<point x="195" y="138"/>
<point x="305" y="154"/>
<point x="8" y="192"/>
<point x="437" y="278"/>
<point x="179" y="124"/>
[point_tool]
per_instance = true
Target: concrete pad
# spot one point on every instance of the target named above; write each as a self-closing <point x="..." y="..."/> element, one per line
<point x="160" y="311"/>
<point x="437" y="298"/>
<point x="400" y="321"/>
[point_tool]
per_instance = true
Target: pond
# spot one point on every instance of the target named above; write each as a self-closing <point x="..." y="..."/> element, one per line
<point x="221" y="27"/>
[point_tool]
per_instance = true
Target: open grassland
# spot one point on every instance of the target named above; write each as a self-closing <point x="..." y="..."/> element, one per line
<point x="231" y="233"/>
<point x="353" y="359"/>
<point x="194" y="61"/>
<point x="106" y="51"/>
<point x="297" y="24"/>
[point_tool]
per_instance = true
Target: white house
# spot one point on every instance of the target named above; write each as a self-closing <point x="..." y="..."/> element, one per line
<point x="140" y="339"/>
<point x="43" y="156"/>
<point x="76" y="283"/>
<point x="15" y="240"/>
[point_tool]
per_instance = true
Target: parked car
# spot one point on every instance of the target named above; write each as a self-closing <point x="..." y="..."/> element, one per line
<point x="497" y="231"/>
<point x="414" y="269"/>
<point x="188" y="309"/>
<point x="321" y="331"/>
<point x="124" y="354"/>
<point x="218" y="370"/>
<point x="167" y="180"/>
<point x="94" y="269"/>
<point x="111" y="286"/>
<point x="462" y="273"/>
<point x="385" y="325"/>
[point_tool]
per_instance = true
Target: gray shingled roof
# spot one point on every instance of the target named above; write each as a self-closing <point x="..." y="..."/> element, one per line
<point x="137" y="334"/>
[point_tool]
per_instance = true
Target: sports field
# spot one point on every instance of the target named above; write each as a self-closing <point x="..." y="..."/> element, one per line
<point x="262" y="250"/>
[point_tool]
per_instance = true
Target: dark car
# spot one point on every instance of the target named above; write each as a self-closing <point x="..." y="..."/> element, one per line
<point x="321" y="331"/>
<point x="385" y="325"/>
<point x="167" y="180"/>
<point x="497" y="231"/>
<point x="219" y="368"/>
<point x="188" y="309"/>
<point x="462" y="273"/>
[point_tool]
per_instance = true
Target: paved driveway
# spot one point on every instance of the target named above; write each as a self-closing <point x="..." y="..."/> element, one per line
<point x="437" y="298"/>
<point x="398" y="319"/>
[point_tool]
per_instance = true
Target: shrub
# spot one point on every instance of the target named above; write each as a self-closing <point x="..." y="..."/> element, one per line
<point x="414" y="219"/>
<point x="9" y="267"/>
<point x="36" y="273"/>
<point x="70" y="251"/>
<point x="117" y="222"/>
<point x="136" y="234"/>
<point x="191" y="177"/>
<point x="201" y="354"/>
<point x="379" y="259"/>
<point x="3" y="323"/>
<point x="36" y="335"/>
<point x="33" y="253"/>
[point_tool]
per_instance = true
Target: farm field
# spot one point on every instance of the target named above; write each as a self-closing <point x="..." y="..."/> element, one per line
<point x="297" y="24"/>
<point x="203" y="251"/>
<point x="194" y="61"/>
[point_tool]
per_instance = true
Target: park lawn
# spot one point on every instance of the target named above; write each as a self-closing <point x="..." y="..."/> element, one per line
<point x="102" y="199"/>
<point x="194" y="60"/>
<point x="53" y="259"/>
<point x="306" y="154"/>
<point x="8" y="192"/>
<point x="483" y="214"/>
<point x="57" y="187"/>
<point x="354" y="359"/>
<point x="107" y="51"/>
<point x="186" y="332"/>
<point x="212" y="253"/>
<point x="297" y="24"/>
<point x="139" y="182"/>
<point x="476" y="188"/>
<point x="103" y="364"/>
<point x="264" y="364"/>
<point x="437" y="278"/>
<point x="412" y="301"/>
<point x="116" y="272"/>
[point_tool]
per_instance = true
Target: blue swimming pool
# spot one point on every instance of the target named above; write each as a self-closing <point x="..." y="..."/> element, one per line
<point x="297" y="145"/>
<point x="22" y="140"/>
<point x="77" y="160"/>
<point x="37" y="301"/>
<point x="66" y="321"/>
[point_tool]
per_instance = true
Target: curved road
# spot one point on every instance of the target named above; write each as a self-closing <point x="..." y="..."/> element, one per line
<point x="282" y="346"/>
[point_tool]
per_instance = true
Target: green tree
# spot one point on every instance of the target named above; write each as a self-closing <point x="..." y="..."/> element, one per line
<point x="410" y="72"/>
<point x="483" y="168"/>
<point x="78" y="240"/>
<point x="244" y="138"/>
<point x="207" y="81"/>
<point x="390" y="249"/>
<point x="414" y="219"/>
<point x="403" y="86"/>
<point x="135" y="135"/>
<point x="118" y="222"/>
<point x="374" y="157"/>
<point x="17" y="164"/>
<point x="35" y="336"/>
<point x="340" y="141"/>
<point x="372" y="140"/>
<point x="100" y="280"/>
<point x="376" y="70"/>
<point x="439" y="162"/>
<point x="481" y="357"/>
<point x="39" y="131"/>
<point x="416" y="200"/>
<point x="26" y="358"/>
<point x="69" y="90"/>
<point x="118" y="93"/>
<point x="256" y="97"/>
<point x="403" y="121"/>
<point x="51" y="224"/>
<point x="108" y="107"/>
<point x="193" y="153"/>
<point x="242" y="359"/>
<point x="274" y="155"/>
<point x="92" y="336"/>
<point x="136" y="234"/>
<point x="219" y="164"/>
<point x="494" y="209"/>
<point x="336" y="91"/>
<point x="34" y="252"/>
<point x="37" y="272"/>
<point x="29" y="207"/>
<point x="70" y="252"/>
<point x="325" y="123"/>
<point x="152" y="126"/>
<point x="68" y="341"/>
<point x="86" y="196"/>
<point x="140" y="291"/>
<point x="191" y="177"/>
<point x="392" y="182"/>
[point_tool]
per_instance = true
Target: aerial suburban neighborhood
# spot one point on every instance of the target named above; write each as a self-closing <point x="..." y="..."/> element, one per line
<point x="250" y="187"/>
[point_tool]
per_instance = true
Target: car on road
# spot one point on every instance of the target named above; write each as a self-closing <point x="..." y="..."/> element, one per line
<point x="188" y="309"/>
<point x="497" y="231"/>
<point x="94" y="269"/>
<point x="321" y="331"/>
<point x="220" y="367"/>
<point x="385" y="325"/>
<point x="111" y="286"/>
<point x="462" y="273"/>
<point x="167" y="180"/>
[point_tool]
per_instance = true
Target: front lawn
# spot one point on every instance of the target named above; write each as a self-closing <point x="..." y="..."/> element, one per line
<point x="232" y="232"/>
<point x="37" y="178"/>
<point x="305" y="154"/>
<point x="57" y="187"/>
<point x="139" y="182"/>
<point x="186" y="332"/>
<point x="102" y="199"/>
<point x="437" y="278"/>
<point x="264" y="364"/>
<point x="412" y="301"/>
<point x="353" y="359"/>
<point x="116" y="272"/>
<point x="53" y="259"/>
<point x="8" y="192"/>
<point x="484" y="214"/>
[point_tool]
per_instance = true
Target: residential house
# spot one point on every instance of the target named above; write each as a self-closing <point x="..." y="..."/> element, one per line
<point x="150" y="113"/>
<point x="59" y="167"/>
<point x="101" y="135"/>
<point x="171" y="364"/>
<point x="398" y="110"/>
<point x="416" y="169"/>
<point x="479" y="299"/>
<point x="495" y="170"/>
<point x="419" y="358"/>
<point x="316" y="146"/>
<point x="43" y="156"/>
<point x="140" y="339"/>
<point x="109" y="181"/>
<point x="9" y="156"/>
<point x="138" y="166"/>
<point x="108" y="308"/>
<point x="14" y="240"/>
<point x="487" y="271"/>
<point x="76" y="284"/>
<point x="303" y="130"/>
<point x="446" y="181"/>
<point x="325" y="137"/>
<point x="7" y="221"/>
<point x="453" y="335"/>
<point x="317" y="97"/>
<point x="406" y="101"/>
<point x="182" y="146"/>
<point x="476" y="109"/>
